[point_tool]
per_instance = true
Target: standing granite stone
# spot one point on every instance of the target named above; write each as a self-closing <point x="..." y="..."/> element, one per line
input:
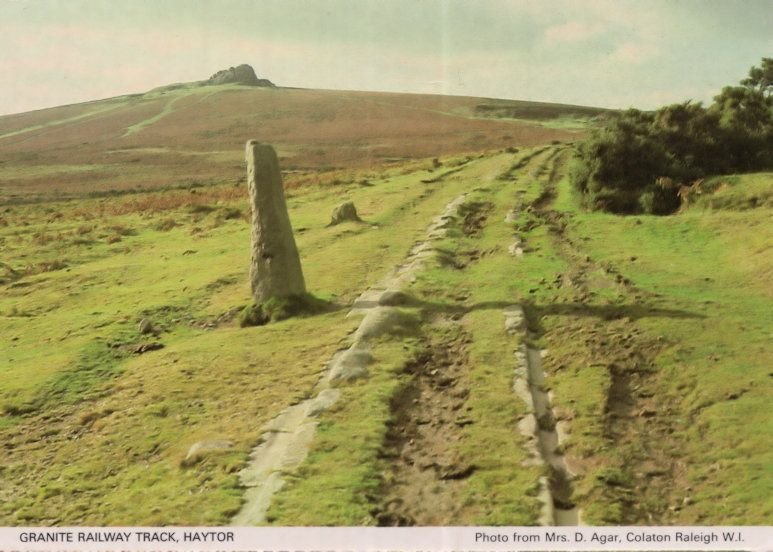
<point x="275" y="270"/>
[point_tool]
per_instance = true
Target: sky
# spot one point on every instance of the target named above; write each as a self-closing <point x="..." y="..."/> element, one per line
<point x="604" y="53"/>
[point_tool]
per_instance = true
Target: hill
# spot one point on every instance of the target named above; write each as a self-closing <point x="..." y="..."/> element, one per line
<point x="520" y="361"/>
<point x="192" y="134"/>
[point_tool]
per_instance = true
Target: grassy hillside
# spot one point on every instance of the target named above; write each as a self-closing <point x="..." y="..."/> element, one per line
<point x="653" y="332"/>
<point x="192" y="135"/>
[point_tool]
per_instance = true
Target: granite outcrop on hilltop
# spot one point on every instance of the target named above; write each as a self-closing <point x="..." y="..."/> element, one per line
<point x="241" y="74"/>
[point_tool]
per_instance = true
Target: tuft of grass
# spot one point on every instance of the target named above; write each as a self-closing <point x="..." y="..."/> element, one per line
<point x="252" y="315"/>
<point x="165" y="224"/>
<point x="282" y="308"/>
<point x="231" y="213"/>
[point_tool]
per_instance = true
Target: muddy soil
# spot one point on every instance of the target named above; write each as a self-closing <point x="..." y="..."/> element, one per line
<point x="425" y="478"/>
<point x="474" y="216"/>
<point x="425" y="473"/>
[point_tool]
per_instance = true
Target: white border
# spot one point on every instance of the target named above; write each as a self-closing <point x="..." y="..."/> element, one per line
<point x="328" y="539"/>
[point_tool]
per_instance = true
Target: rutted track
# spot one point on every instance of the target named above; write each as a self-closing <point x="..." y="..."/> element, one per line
<point x="424" y="482"/>
<point x="286" y="439"/>
<point x="605" y="332"/>
<point x="426" y="471"/>
<point x="541" y="428"/>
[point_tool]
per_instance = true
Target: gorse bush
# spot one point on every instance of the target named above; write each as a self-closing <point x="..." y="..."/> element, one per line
<point x="638" y="161"/>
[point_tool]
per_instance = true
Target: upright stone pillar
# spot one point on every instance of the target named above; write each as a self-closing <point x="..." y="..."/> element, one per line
<point x="275" y="269"/>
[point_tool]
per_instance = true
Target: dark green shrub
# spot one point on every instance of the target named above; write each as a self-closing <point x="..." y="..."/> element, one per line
<point x="622" y="167"/>
<point x="659" y="200"/>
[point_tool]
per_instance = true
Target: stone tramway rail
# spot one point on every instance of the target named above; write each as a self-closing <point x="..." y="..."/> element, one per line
<point x="545" y="435"/>
<point x="286" y="439"/>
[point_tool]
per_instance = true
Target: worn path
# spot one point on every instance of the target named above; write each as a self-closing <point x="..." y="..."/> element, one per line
<point x="286" y="439"/>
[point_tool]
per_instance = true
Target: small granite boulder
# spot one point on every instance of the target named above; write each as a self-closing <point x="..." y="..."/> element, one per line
<point x="145" y="327"/>
<point x="346" y="211"/>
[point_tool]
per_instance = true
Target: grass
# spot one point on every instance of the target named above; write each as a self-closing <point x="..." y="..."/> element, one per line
<point x="710" y="372"/>
<point x="97" y="301"/>
<point x="735" y="192"/>
<point x="127" y="446"/>
<point x="276" y="309"/>
<point x="92" y="428"/>
<point x="339" y="482"/>
<point x="716" y="369"/>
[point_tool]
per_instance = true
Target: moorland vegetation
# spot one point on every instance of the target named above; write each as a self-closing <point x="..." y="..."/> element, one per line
<point x="132" y="392"/>
<point x="649" y="161"/>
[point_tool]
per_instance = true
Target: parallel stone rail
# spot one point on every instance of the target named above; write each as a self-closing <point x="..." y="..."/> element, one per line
<point x="286" y="439"/>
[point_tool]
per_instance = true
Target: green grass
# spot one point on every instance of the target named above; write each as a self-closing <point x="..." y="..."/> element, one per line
<point x="736" y="192"/>
<point x="99" y="299"/>
<point x="711" y="265"/>
<point x="92" y="429"/>
<point x="339" y="482"/>
<point x="127" y="445"/>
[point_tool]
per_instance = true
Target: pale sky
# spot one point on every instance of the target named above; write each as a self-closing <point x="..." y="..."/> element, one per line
<point x="606" y="53"/>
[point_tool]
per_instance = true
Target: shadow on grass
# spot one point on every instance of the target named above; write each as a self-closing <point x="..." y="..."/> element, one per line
<point x="609" y="312"/>
<point x="535" y="311"/>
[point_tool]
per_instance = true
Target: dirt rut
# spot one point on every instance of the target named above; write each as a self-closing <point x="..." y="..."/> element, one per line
<point x="634" y="422"/>
<point x="425" y="480"/>
<point x="286" y="439"/>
